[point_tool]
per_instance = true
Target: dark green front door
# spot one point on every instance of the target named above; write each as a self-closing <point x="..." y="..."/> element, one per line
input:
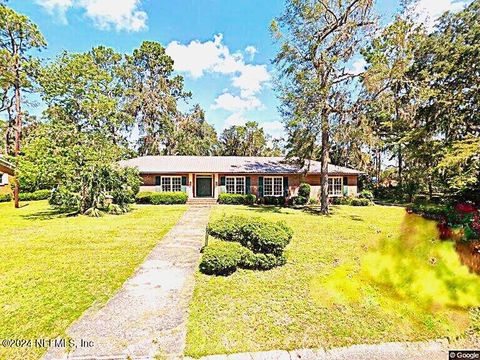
<point x="204" y="187"/>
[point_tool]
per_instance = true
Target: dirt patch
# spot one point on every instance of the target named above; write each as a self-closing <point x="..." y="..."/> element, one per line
<point x="469" y="253"/>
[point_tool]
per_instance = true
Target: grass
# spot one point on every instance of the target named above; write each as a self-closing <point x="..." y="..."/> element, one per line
<point x="53" y="268"/>
<point x="362" y="275"/>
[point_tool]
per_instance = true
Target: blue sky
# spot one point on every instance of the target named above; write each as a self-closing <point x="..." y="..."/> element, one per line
<point x="223" y="48"/>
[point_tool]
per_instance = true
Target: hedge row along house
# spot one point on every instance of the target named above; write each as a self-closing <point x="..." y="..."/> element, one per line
<point x="205" y="177"/>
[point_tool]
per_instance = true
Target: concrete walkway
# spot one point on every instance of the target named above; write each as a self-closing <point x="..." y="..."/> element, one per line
<point x="431" y="350"/>
<point x="147" y="317"/>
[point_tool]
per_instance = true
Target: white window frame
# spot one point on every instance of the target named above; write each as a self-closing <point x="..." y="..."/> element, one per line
<point x="271" y="192"/>
<point x="3" y="179"/>
<point x="169" y="183"/>
<point x="332" y="191"/>
<point x="235" y="185"/>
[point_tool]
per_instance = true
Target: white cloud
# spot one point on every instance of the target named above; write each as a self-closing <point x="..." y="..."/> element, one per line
<point x="428" y="11"/>
<point x="251" y="79"/>
<point x="198" y="58"/>
<point x="233" y="103"/>
<point x="119" y="14"/>
<point x="251" y="50"/>
<point x="56" y="7"/>
<point x="234" y="119"/>
<point x="273" y="128"/>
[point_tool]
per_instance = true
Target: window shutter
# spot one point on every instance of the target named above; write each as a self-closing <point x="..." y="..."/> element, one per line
<point x="222" y="180"/>
<point x="285" y="186"/>
<point x="184" y="180"/>
<point x="247" y="184"/>
<point x="157" y="180"/>
<point x="345" y="180"/>
<point x="260" y="186"/>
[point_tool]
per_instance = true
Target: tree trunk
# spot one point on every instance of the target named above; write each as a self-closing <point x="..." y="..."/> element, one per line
<point x="324" y="164"/>
<point x="400" y="166"/>
<point x="18" y="130"/>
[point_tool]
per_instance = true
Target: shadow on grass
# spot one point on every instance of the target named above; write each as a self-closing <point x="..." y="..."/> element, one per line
<point x="49" y="214"/>
<point x="266" y="209"/>
<point x="316" y="210"/>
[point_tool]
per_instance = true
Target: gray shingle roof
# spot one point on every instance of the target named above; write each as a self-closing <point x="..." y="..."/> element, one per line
<point x="225" y="164"/>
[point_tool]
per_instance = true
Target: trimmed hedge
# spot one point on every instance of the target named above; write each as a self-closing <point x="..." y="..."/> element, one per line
<point x="34" y="196"/>
<point x="360" y="202"/>
<point x="256" y="234"/>
<point x="5" y="197"/>
<point x="236" y="199"/>
<point x="297" y="200"/>
<point x="161" y="198"/>
<point x="223" y="258"/>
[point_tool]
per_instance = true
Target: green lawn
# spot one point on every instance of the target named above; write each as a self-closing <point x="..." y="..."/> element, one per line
<point x="53" y="268"/>
<point x="361" y="275"/>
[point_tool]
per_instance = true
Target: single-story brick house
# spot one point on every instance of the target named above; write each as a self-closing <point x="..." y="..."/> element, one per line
<point x="209" y="176"/>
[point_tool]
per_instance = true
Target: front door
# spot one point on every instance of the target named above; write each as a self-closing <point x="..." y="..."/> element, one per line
<point x="204" y="187"/>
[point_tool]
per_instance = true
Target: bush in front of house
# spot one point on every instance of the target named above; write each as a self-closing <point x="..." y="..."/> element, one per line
<point x="236" y="199"/>
<point x="297" y="200"/>
<point x="340" y="200"/>
<point x="36" y="195"/>
<point x="161" y="198"/>
<point x="304" y="190"/>
<point x="273" y="200"/>
<point x="360" y="202"/>
<point x="366" y="194"/>
<point x="5" y="197"/>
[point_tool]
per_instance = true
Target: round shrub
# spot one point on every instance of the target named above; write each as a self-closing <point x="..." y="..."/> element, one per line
<point x="304" y="190"/>
<point x="265" y="261"/>
<point x="366" y="194"/>
<point x="250" y="199"/>
<point x="227" y="228"/>
<point x="221" y="258"/>
<point x="360" y="202"/>
<point x="263" y="236"/>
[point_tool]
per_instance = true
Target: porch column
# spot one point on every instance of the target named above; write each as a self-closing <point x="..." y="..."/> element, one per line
<point x="216" y="186"/>
<point x="190" y="186"/>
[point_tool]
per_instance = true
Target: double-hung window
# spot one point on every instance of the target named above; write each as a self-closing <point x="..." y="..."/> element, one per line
<point x="171" y="183"/>
<point x="335" y="186"/>
<point x="235" y="185"/>
<point x="273" y="186"/>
